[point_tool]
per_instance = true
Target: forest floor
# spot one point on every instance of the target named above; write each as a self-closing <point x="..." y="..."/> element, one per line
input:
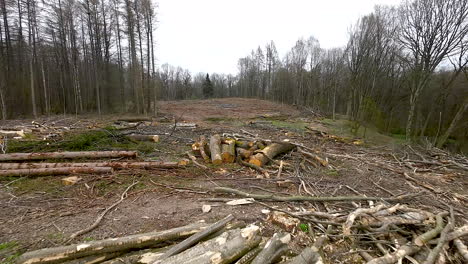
<point x="42" y="212"/>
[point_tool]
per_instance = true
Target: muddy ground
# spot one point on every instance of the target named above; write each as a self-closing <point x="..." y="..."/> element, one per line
<point x="42" y="212"/>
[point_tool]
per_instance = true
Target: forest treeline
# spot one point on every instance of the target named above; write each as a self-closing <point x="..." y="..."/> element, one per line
<point x="403" y="71"/>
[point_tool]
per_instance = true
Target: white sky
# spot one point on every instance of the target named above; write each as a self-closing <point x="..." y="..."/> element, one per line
<point x="211" y="35"/>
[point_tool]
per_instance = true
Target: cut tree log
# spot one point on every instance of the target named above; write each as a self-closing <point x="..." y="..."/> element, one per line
<point x="194" y="239"/>
<point x="215" y="149"/>
<point x="226" y="248"/>
<point x="273" y="249"/>
<point x="68" y="155"/>
<point x="112" y="164"/>
<point x="243" y="153"/>
<point x="310" y="255"/>
<point x="203" y="146"/>
<point x="64" y="253"/>
<point x="270" y="152"/>
<point x="137" y="137"/>
<point x="228" y="151"/>
<point x="56" y="171"/>
<point x="244" y="144"/>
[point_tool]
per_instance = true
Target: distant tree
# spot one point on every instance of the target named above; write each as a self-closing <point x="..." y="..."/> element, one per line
<point x="207" y="87"/>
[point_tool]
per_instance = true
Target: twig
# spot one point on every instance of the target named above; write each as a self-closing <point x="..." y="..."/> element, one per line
<point x="280" y="170"/>
<point x="99" y="219"/>
<point x="434" y="254"/>
<point x="194" y="160"/>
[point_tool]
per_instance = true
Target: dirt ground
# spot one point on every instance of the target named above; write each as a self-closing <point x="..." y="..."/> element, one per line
<point x="41" y="212"/>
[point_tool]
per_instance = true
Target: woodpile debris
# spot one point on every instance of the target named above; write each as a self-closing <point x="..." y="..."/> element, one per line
<point x="379" y="234"/>
<point x="256" y="153"/>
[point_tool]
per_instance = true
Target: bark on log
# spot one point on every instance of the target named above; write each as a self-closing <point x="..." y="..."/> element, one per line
<point x="68" y="155"/>
<point x="64" y="253"/>
<point x="307" y="198"/>
<point x="215" y="149"/>
<point x="203" y="146"/>
<point x="244" y="144"/>
<point x="273" y="249"/>
<point x="461" y="248"/>
<point x="270" y="152"/>
<point x="197" y="237"/>
<point x="95" y="259"/>
<point x="249" y="256"/>
<point x="136" y="137"/>
<point x="243" y="153"/>
<point x="228" y="153"/>
<point x="56" y="171"/>
<point x="113" y="164"/>
<point x="226" y="248"/>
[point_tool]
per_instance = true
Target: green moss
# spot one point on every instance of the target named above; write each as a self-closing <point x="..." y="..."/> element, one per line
<point x="104" y="139"/>
<point x="9" y="252"/>
<point x="8" y="245"/>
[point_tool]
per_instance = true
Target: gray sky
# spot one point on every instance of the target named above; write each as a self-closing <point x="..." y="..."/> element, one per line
<point x="211" y="35"/>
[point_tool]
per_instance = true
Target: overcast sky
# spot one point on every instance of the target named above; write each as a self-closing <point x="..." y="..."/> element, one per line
<point x="211" y="35"/>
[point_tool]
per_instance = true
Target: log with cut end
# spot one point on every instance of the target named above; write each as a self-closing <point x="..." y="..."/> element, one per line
<point x="203" y="149"/>
<point x="244" y="153"/>
<point x="274" y="248"/>
<point x="228" y="151"/>
<point x="139" y="241"/>
<point x="226" y="248"/>
<point x="270" y="152"/>
<point x="215" y="149"/>
<point x="56" y="171"/>
<point x="112" y="164"/>
<point x="68" y="155"/>
<point x="137" y="137"/>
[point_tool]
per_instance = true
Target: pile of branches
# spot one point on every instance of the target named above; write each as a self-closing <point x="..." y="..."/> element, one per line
<point x="380" y="233"/>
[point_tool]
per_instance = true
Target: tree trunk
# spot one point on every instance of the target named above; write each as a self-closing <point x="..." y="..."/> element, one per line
<point x="273" y="249"/>
<point x="458" y="116"/>
<point x="269" y="153"/>
<point x="228" y="151"/>
<point x="56" y="171"/>
<point x="64" y="253"/>
<point x="112" y="164"/>
<point x="68" y="155"/>
<point x="226" y="248"/>
<point x="215" y="149"/>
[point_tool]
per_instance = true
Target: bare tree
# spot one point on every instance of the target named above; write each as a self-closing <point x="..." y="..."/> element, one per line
<point x="430" y="31"/>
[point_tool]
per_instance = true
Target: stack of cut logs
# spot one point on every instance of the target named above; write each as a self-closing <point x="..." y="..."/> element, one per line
<point x="220" y="150"/>
<point x="19" y="164"/>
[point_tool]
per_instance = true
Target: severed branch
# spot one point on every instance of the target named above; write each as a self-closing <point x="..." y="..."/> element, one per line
<point x="309" y="198"/>
<point x="100" y="217"/>
<point x="274" y="248"/>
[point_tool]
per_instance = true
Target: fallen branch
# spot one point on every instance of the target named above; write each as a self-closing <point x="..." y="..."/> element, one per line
<point x="64" y="253"/>
<point x="68" y="155"/>
<point x="307" y="198"/>
<point x="194" y="160"/>
<point x="408" y="250"/>
<point x="351" y="217"/>
<point x="461" y="248"/>
<point x="100" y="217"/>
<point x="56" y="171"/>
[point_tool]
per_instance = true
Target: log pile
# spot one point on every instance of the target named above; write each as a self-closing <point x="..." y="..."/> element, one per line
<point x="24" y="167"/>
<point x="257" y="153"/>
